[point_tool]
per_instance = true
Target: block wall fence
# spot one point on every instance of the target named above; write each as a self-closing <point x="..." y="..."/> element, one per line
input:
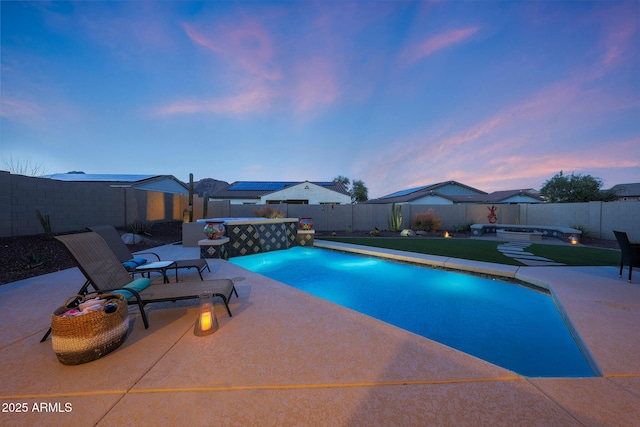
<point x="72" y="206"/>
<point x="599" y="219"/>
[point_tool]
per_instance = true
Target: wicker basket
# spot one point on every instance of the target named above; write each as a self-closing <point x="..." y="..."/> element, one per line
<point x="81" y="339"/>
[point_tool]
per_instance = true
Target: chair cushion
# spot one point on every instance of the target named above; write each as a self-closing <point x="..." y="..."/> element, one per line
<point x="137" y="285"/>
<point x="130" y="266"/>
<point x="134" y="263"/>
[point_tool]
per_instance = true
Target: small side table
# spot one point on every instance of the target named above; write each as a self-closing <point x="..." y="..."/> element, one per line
<point x="305" y="237"/>
<point x="161" y="266"/>
<point x="214" y="248"/>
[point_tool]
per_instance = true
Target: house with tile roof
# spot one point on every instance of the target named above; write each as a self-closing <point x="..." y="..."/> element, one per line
<point x="627" y="192"/>
<point x="160" y="183"/>
<point x="452" y="192"/>
<point x="442" y="193"/>
<point x="528" y="195"/>
<point x="292" y="192"/>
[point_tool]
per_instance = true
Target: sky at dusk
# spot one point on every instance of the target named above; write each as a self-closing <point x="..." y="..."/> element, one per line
<point x="497" y="95"/>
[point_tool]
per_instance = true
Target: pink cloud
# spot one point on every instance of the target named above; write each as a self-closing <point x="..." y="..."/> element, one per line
<point x="314" y="84"/>
<point x="235" y="105"/>
<point x="247" y="64"/>
<point x="535" y="168"/>
<point x="620" y="42"/>
<point x="504" y="166"/>
<point x="16" y="109"/>
<point x="435" y="43"/>
<point x="304" y="81"/>
<point x="45" y="112"/>
<point x="508" y="149"/>
<point x="246" y="45"/>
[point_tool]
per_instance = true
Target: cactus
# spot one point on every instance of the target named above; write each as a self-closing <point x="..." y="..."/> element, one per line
<point x="46" y="224"/>
<point x="190" y="197"/>
<point x="205" y="205"/>
<point x="395" y="220"/>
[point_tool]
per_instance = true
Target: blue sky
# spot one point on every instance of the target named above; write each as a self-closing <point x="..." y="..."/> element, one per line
<point x="497" y="95"/>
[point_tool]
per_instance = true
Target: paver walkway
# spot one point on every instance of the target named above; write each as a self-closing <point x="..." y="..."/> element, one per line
<point x="516" y="250"/>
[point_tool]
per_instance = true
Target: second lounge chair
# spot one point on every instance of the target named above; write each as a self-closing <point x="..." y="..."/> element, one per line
<point x="136" y="264"/>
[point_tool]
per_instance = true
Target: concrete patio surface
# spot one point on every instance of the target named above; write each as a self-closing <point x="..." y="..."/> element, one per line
<point x="289" y="358"/>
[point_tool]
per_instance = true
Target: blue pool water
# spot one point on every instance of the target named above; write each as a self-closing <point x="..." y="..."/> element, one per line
<point x="509" y="325"/>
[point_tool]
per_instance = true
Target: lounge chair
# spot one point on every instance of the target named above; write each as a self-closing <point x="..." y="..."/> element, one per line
<point x="630" y="252"/>
<point x="106" y="274"/>
<point x="137" y="264"/>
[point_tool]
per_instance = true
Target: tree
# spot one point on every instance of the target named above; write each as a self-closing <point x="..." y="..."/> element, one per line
<point x="358" y="191"/>
<point x="342" y="180"/>
<point x="24" y="167"/>
<point x="575" y="188"/>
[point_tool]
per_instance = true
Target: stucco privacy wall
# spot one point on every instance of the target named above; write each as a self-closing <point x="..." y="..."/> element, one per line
<point x="5" y="204"/>
<point x="363" y="216"/>
<point x="72" y="206"/>
<point x="597" y="218"/>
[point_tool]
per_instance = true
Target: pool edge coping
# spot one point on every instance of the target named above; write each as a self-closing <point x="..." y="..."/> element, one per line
<point x="501" y="270"/>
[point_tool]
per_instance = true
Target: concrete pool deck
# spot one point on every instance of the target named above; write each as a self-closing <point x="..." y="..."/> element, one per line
<point x="289" y="358"/>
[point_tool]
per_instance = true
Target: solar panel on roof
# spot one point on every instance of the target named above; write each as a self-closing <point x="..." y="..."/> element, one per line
<point x="271" y="185"/>
<point x="404" y="192"/>
<point x="260" y="186"/>
<point x="98" y="177"/>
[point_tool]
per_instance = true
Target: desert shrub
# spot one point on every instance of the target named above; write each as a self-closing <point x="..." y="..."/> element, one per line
<point x="462" y="228"/>
<point x="32" y="260"/>
<point x="141" y="227"/>
<point x="428" y="222"/>
<point x="585" y="231"/>
<point x="268" y="212"/>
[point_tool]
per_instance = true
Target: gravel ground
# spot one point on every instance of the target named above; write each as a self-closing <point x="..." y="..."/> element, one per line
<point x="28" y="256"/>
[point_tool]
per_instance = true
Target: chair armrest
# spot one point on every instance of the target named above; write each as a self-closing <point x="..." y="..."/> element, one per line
<point x="150" y="253"/>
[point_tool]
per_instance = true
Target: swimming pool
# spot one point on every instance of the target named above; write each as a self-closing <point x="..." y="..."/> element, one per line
<point x="509" y="325"/>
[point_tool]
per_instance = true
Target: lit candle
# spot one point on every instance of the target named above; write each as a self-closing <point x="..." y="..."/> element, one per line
<point x="205" y="320"/>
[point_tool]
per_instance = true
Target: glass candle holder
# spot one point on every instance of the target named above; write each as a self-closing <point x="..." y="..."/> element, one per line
<point x="207" y="322"/>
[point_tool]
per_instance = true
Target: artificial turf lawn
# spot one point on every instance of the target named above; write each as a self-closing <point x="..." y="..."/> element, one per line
<point x="485" y="250"/>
